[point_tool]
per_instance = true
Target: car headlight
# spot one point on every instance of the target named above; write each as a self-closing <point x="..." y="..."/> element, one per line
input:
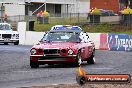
<point x="70" y="52"/>
<point x="13" y="35"/>
<point x="33" y="51"/>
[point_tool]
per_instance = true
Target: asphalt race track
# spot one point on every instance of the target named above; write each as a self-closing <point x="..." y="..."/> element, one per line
<point x="16" y="72"/>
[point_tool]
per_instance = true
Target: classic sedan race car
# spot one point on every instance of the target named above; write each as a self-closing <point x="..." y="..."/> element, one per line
<point x="7" y="35"/>
<point x="63" y="45"/>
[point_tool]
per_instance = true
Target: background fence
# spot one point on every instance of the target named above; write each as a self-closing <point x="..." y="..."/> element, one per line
<point x="66" y="18"/>
<point x="73" y="18"/>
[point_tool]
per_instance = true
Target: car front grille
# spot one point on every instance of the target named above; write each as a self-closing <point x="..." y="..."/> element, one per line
<point x="6" y="36"/>
<point x="51" y="51"/>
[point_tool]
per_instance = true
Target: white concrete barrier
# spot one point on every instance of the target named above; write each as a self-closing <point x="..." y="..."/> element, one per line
<point x="33" y="37"/>
<point x="21" y="28"/>
<point x="28" y="37"/>
<point x="95" y="37"/>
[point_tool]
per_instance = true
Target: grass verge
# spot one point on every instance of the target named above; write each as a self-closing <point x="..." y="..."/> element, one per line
<point x="99" y="28"/>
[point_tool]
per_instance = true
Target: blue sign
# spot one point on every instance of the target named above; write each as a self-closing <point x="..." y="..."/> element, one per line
<point x="76" y="28"/>
<point x="120" y="42"/>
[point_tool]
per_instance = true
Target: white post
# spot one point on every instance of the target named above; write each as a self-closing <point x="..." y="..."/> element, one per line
<point x="21" y="28"/>
<point x="45" y="6"/>
<point x="129" y="4"/>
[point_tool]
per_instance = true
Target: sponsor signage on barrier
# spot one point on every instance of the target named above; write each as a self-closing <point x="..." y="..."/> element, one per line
<point x="116" y="42"/>
<point x="120" y="42"/>
<point x="82" y="78"/>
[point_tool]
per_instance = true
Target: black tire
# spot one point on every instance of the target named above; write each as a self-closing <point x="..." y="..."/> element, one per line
<point x="16" y="43"/>
<point x="78" y="59"/>
<point x="34" y="65"/>
<point x="91" y="59"/>
<point x="6" y="43"/>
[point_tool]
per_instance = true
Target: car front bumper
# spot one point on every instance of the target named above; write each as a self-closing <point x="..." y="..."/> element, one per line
<point x="52" y="59"/>
<point x="9" y="40"/>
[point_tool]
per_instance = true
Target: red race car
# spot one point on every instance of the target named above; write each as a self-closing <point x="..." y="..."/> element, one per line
<point x="63" y="45"/>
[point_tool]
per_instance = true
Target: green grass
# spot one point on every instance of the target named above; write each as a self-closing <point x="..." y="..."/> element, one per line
<point x="108" y="28"/>
<point x="55" y="21"/>
<point x="100" y="28"/>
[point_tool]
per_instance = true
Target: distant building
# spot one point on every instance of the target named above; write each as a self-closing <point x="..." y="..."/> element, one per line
<point x="52" y="6"/>
<point x="105" y="4"/>
<point x="61" y="6"/>
<point x="12" y="7"/>
<point x="115" y="5"/>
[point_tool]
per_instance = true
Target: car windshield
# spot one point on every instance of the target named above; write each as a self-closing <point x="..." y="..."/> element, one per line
<point x="61" y="37"/>
<point x="5" y="27"/>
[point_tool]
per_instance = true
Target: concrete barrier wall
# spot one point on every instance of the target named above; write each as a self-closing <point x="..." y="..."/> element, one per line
<point x="22" y="32"/>
<point x="95" y="37"/>
<point x="28" y="37"/>
<point x="33" y="37"/>
<point x="103" y="41"/>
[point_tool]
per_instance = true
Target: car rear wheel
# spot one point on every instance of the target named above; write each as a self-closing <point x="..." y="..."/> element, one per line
<point x="91" y="59"/>
<point x="16" y="43"/>
<point x="33" y="65"/>
<point x="78" y="59"/>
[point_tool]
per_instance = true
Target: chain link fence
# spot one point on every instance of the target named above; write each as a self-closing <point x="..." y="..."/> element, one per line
<point x="68" y="18"/>
<point x="75" y="18"/>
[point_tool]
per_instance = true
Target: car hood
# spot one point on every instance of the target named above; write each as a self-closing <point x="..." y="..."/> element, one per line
<point x="8" y="32"/>
<point x="60" y="45"/>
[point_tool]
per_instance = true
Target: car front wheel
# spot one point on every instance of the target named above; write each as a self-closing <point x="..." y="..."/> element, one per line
<point x="91" y="59"/>
<point x="33" y="65"/>
<point x="16" y="43"/>
<point x="78" y="59"/>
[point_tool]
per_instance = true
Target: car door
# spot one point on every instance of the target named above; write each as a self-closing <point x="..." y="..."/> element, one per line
<point x="86" y="46"/>
<point x="84" y="50"/>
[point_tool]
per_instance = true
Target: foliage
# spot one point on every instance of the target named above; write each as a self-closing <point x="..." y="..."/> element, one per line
<point x="95" y="12"/>
<point x="127" y="11"/>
